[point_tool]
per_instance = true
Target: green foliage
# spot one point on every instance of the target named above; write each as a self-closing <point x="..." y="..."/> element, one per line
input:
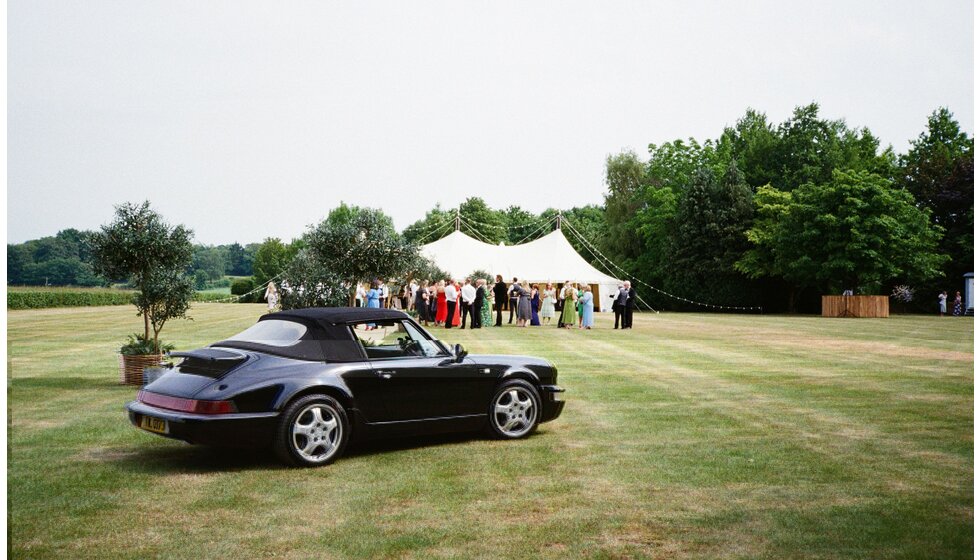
<point x="242" y="286"/>
<point x="938" y="171"/>
<point x="211" y="260"/>
<point x="62" y="260"/>
<point x="708" y="238"/>
<point x="164" y="295"/>
<point x="424" y="269"/>
<point x="855" y="232"/>
<point x="435" y="225"/>
<point x="352" y="245"/>
<point x="200" y="280"/>
<point x="137" y="345"/>
<point x="489" y="224"/>
<point x="271" y="258"/>
<point x="66" y="297"/>
<point x="140" y="247"/>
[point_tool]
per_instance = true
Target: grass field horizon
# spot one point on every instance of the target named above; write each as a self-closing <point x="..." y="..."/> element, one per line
<point x="691" y="436"/>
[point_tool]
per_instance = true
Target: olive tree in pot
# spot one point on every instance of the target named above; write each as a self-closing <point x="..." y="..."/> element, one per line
<point x="152" y="255"/>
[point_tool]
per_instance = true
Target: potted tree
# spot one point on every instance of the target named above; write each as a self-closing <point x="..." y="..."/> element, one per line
<point x="140" y="247"/>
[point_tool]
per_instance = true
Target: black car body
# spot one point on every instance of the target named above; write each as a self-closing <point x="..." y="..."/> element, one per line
<point x="308" y="380"/>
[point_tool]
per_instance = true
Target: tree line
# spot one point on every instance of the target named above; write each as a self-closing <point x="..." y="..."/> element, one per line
<point x="767" y="214"/>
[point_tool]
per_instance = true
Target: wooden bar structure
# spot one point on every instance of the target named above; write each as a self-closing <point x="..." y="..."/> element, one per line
<point x="855" y="306"/>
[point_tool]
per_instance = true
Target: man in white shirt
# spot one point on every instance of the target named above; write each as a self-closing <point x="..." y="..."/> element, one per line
<point x="451" y="297"/>
<point x="384" y="294"/>
<point x="468" y="294"/>
<point x="413" y="289"/>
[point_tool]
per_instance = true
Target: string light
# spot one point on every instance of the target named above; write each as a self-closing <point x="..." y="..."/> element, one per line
<point x="658" y="290"/>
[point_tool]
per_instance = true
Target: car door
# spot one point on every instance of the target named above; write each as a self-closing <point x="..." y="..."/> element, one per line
<point x="422" y="381"/>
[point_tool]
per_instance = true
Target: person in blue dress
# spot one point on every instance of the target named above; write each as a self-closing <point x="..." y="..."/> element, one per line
<point x="588" y="319"/>
<point x="535" y="305"/>
<point x="374" y="299"/>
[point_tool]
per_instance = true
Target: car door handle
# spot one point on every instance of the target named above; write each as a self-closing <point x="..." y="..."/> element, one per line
<point x="386" y="373"/>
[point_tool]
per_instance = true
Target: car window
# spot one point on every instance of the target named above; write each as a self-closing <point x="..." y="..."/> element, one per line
<point x="272" y="332"/>
<point x="394" y="339"/>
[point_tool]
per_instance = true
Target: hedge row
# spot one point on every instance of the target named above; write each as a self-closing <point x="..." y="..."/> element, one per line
<point x="40" y="299"/>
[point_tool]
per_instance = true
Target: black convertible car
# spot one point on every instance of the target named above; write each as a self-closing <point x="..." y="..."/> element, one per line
<point x="306" y="381"/>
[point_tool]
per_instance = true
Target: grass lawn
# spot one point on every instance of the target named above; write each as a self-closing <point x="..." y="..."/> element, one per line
<point x="692" y="436"/>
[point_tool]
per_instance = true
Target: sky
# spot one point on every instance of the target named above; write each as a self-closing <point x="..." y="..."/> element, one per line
<point x="247" y="120"/>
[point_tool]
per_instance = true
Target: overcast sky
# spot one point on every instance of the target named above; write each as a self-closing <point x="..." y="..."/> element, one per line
<point x="249" y="120"/>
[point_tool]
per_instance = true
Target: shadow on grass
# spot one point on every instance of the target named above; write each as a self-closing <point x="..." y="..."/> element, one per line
<point x="186" y="458"/>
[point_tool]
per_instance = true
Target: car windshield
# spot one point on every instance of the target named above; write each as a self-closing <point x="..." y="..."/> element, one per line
<point x="272" y="332"/>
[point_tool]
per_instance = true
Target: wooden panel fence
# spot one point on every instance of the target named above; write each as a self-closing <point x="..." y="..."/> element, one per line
<point x="855" y="306"/>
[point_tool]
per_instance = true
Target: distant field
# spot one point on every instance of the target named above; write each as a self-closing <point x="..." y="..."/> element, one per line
<point x="692" y="436"/>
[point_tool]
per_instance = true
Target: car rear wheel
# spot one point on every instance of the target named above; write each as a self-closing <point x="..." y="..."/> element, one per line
<point x="515" y="410"/>
<point x="313" y="431"/>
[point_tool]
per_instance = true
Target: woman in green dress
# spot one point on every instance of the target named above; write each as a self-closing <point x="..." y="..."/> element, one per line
<point x="568" y="314"/>
<point x="485" y="318"/>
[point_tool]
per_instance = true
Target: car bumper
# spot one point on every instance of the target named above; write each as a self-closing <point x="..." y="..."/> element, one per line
<point x="552" y="402"/>
<point x="245" y="429"/>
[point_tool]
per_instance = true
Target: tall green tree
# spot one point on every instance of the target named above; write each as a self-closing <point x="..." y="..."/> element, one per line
<point x="938" y="171"/>
<point x="352" y="245"/>
<point x="856" y="231"/>
<point x="436" y="224"/>
<point x="625" y="184"/>
<point x="140" y="246"/>
<point x="489" y="224"/>
<point x="708" y="238"/>
<point x="271" y="258"/>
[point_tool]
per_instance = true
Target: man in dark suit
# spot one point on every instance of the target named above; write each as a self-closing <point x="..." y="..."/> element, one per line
<point x="499" y="299"/>
<point x="630" y="304"/>
<point x="514" y="293"/>
<point x="619" y="305"/>
<point x="481" y="296"/>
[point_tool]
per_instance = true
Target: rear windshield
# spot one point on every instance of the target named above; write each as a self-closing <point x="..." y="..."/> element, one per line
<point x="272" y="332"/>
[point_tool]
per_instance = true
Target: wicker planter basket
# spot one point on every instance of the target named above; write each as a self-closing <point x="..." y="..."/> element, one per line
<point x="131" y="367"/>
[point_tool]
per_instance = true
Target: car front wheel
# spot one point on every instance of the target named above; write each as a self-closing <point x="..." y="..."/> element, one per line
<point x="313" y="431"/>
<point x="515" y="410"/>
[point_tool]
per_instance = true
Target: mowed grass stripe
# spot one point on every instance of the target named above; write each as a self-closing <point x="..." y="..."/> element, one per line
<point x="689" y="437"/>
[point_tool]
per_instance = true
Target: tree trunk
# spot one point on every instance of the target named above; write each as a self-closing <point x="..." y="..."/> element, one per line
<point x="146" y="326"/>
<point x="791" y="307"/>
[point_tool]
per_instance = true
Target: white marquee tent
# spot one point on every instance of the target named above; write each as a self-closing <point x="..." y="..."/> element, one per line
<point x="550" y="258"/>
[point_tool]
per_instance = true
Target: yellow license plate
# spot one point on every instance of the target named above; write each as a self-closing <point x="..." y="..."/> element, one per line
<point x="157" y="425"/>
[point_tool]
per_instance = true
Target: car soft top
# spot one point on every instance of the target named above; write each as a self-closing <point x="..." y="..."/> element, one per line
<point x="328" y="337"/>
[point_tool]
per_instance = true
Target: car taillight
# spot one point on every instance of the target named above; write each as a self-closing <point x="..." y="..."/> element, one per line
<point x="186" y="405"/>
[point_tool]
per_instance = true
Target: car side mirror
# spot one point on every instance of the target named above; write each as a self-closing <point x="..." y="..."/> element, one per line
<point x="459" y="352"/>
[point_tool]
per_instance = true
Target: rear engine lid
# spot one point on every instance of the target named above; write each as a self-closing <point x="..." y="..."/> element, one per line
<point x="198" y="369"/>
<point x="208" y="362"/>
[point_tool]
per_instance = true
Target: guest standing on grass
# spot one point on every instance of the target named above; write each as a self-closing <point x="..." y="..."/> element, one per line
<point x="588" y="318"/>
<point x="578" y="303"/>
<point x="468" y="296"/>
<point x="451" y="296"/>
<point x="628" y="306"/>
<point x="548" y="303"/>
<point x="942" y="304"/>
<point x="499" y="298"/>
<point x="360" y="295"/>
<point x="619" y="305"/>
<point x="523" y="304"/>
<point x="535" y="304"/>
<point x="374" y="295"/>
<point x="272" y="296"/>
<point x="957" y="305"/>
<point x="422" y="303"/>
<point x="513" y="295"/>
<point x="483" y="298"/>
<point x="568" y="305"/>
<point x="441" y="308"/>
